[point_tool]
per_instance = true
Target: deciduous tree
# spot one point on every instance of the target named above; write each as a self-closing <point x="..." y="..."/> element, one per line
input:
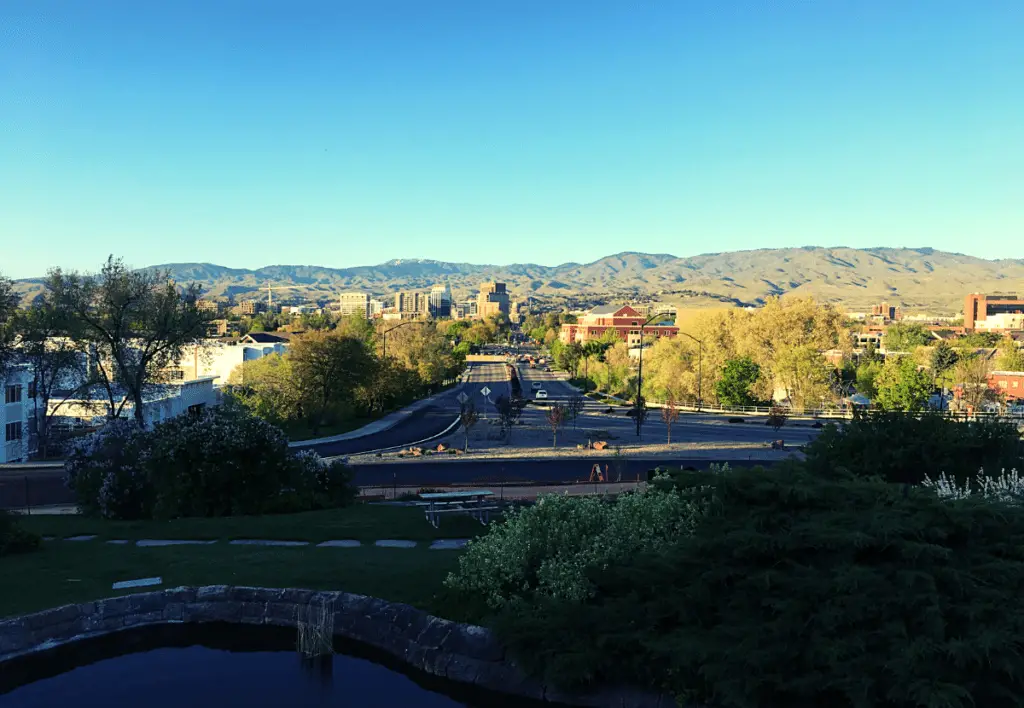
<point x="556" y="415"/>
<point x="902" y="385"/>
<point x="138" y="323"/>
<point x="669" y="415"/>
<point x="739" y="376"/>
<point x="469" y="417"/>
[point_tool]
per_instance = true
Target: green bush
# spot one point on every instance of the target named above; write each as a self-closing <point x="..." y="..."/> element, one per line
<point x="13" y="538"/>
<point x="802" y="591"/>
<point x="221" y="462"/>
<point x="903" y="448"/>
<point x="548" y="549"/>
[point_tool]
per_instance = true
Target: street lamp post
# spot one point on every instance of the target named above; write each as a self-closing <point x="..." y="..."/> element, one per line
<point x="640" y="378"/>
<point x="700" y="366"/>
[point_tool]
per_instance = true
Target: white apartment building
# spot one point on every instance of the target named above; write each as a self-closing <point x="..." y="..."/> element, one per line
<point x="1003" y="321"/>
<point x="355" y="303"/>
<point x="219" y="359"/>
<point x="15" y="414"/>
<point x="376" y="307"/>
<point x="161" y="403"/>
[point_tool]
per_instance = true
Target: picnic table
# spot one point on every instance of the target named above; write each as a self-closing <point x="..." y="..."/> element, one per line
<point x="474" y="503"/>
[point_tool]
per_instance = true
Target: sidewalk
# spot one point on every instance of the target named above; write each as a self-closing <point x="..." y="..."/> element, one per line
<point x="387" y="422"/>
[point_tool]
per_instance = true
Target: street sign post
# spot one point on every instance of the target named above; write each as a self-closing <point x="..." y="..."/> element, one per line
<point x="462" y="397"/>
<point x="485" y="392"/>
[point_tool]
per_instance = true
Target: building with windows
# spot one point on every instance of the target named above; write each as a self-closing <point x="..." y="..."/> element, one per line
<point x="376" y="308"/>
<point x="1008" y="384"/>
<point x="355" y="303"/>
<point x="492" y="300"/>
<point x="624" y="320"/>
<point x="979" y="306"/>
<point x="440" y="301"/>
<point x="209" y="307"/>
<point x="410" y="302"/>
<point x="15" y="414"/>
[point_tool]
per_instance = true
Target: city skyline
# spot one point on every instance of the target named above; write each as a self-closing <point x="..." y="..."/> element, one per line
<point x="537" y="132"/>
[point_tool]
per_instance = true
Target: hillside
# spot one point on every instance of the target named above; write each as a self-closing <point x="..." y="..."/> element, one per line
<point x="918" y="279"/>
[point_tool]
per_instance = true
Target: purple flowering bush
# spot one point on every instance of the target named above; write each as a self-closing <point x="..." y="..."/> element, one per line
<point x="223" y="461"/>
<point x="106" y="470"/>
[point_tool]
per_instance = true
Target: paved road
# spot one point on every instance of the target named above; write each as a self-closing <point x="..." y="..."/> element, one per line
<point x="690" y="427"/>
<point x="431" y="420"/>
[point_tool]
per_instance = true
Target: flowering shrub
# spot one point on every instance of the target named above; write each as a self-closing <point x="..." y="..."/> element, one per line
<point x="1005" y="487"/>
<point x="221" y="462"/>
<point x="106" y="470"/>
<point x="548" y="549"/>
<point x="795" y="589"/>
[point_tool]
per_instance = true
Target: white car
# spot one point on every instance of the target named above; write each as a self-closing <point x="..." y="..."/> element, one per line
<point x="536" y="385"/>
<point x="542" y="394"/>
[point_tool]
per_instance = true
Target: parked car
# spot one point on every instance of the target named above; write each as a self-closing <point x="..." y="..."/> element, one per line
<point x="542" y="394"/>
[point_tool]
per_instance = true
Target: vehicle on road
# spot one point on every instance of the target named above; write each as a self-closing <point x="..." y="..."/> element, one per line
<point x="542" y="394"/>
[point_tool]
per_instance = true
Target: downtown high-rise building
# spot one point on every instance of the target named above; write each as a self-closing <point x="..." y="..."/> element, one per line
<point x="355" y="303"/>
<point x="440" y="301"/>
<point x="492" y="300"/>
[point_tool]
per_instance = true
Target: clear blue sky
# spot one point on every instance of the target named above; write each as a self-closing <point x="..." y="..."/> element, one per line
<point x="348" y="132"/>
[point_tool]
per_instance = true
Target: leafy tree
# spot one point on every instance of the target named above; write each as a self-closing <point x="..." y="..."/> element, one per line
<point x="267" y="388"/>
<point x="977" y="340"/>
<point x="902" y="386"/>
<point x="669" y="415"/>
<point x="328" y="367"/>
<point x="1011" y="357"/>
<point x="556" y="415"/>
<point x="805" y="375"/>
<point x="903" y="448"/>
<point x="136" y="321"/>
<point x="943" y="359"/>
<point x="8" y="306"/>
<point x="568" y="357"/>
<point x="971" y="374"/>
<point x="867" y="376"/>
<point x="50" y="345"/>
<point x="469" y="417"/>
<point x="905" y="336"/>
<point x="734" y="386"/>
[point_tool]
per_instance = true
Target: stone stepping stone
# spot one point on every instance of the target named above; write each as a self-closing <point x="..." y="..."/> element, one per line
<point x="149" y="542"/>
<point x="449" y="544"/>
<point x="118" y="542"/>
<point x="392" y="543"/>
<point x="345" y="543"/>
<point x="265" y="542"/>
<point x="87" y="537"/>
<point x="48" y="538"/>
<point x="140" y="583"/>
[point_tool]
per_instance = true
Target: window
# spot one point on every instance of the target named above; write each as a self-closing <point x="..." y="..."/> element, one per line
<point x="1016" y="384"/>
<point x="12" y="394"/>
<point x="1002" y="384"/>
<point x="12" y="431"/>
<point x="32" y="389"/>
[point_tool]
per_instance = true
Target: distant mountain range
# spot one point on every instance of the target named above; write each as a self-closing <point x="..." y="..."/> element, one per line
<point x="916" y="278"/>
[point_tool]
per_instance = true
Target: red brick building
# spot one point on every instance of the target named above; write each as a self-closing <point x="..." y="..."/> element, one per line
<point x="1008" y="384"/>
<point x="978" y="306"/>
<point x="622" y="318"/>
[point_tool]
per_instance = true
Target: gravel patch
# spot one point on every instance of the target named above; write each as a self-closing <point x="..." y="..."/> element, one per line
<point x="392" y="543"/>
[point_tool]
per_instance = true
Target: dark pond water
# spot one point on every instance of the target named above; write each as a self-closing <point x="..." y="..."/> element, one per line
<point x="218" y="666"/>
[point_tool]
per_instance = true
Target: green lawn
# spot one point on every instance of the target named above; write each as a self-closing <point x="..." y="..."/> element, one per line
<point x="63" y="572"/>
<point x="364" y="522"/>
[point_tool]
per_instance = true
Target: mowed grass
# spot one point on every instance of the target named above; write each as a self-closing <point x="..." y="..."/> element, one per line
<point x="363" y="522"/>
<point x="64" y="572"/>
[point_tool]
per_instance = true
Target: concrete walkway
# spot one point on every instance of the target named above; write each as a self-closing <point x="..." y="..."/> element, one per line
<point x="441" y="544"/>
<point x="386" y="423"/>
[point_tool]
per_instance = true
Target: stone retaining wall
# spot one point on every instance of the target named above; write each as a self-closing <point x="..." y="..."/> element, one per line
<point x="459" y="652"/>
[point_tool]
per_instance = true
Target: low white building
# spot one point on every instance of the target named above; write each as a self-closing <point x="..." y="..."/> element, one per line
<point x="219" y="359"/>
<point x="161" y="403"/>
<point x="15" y="414"/>
<point x="1004" y="321"/>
